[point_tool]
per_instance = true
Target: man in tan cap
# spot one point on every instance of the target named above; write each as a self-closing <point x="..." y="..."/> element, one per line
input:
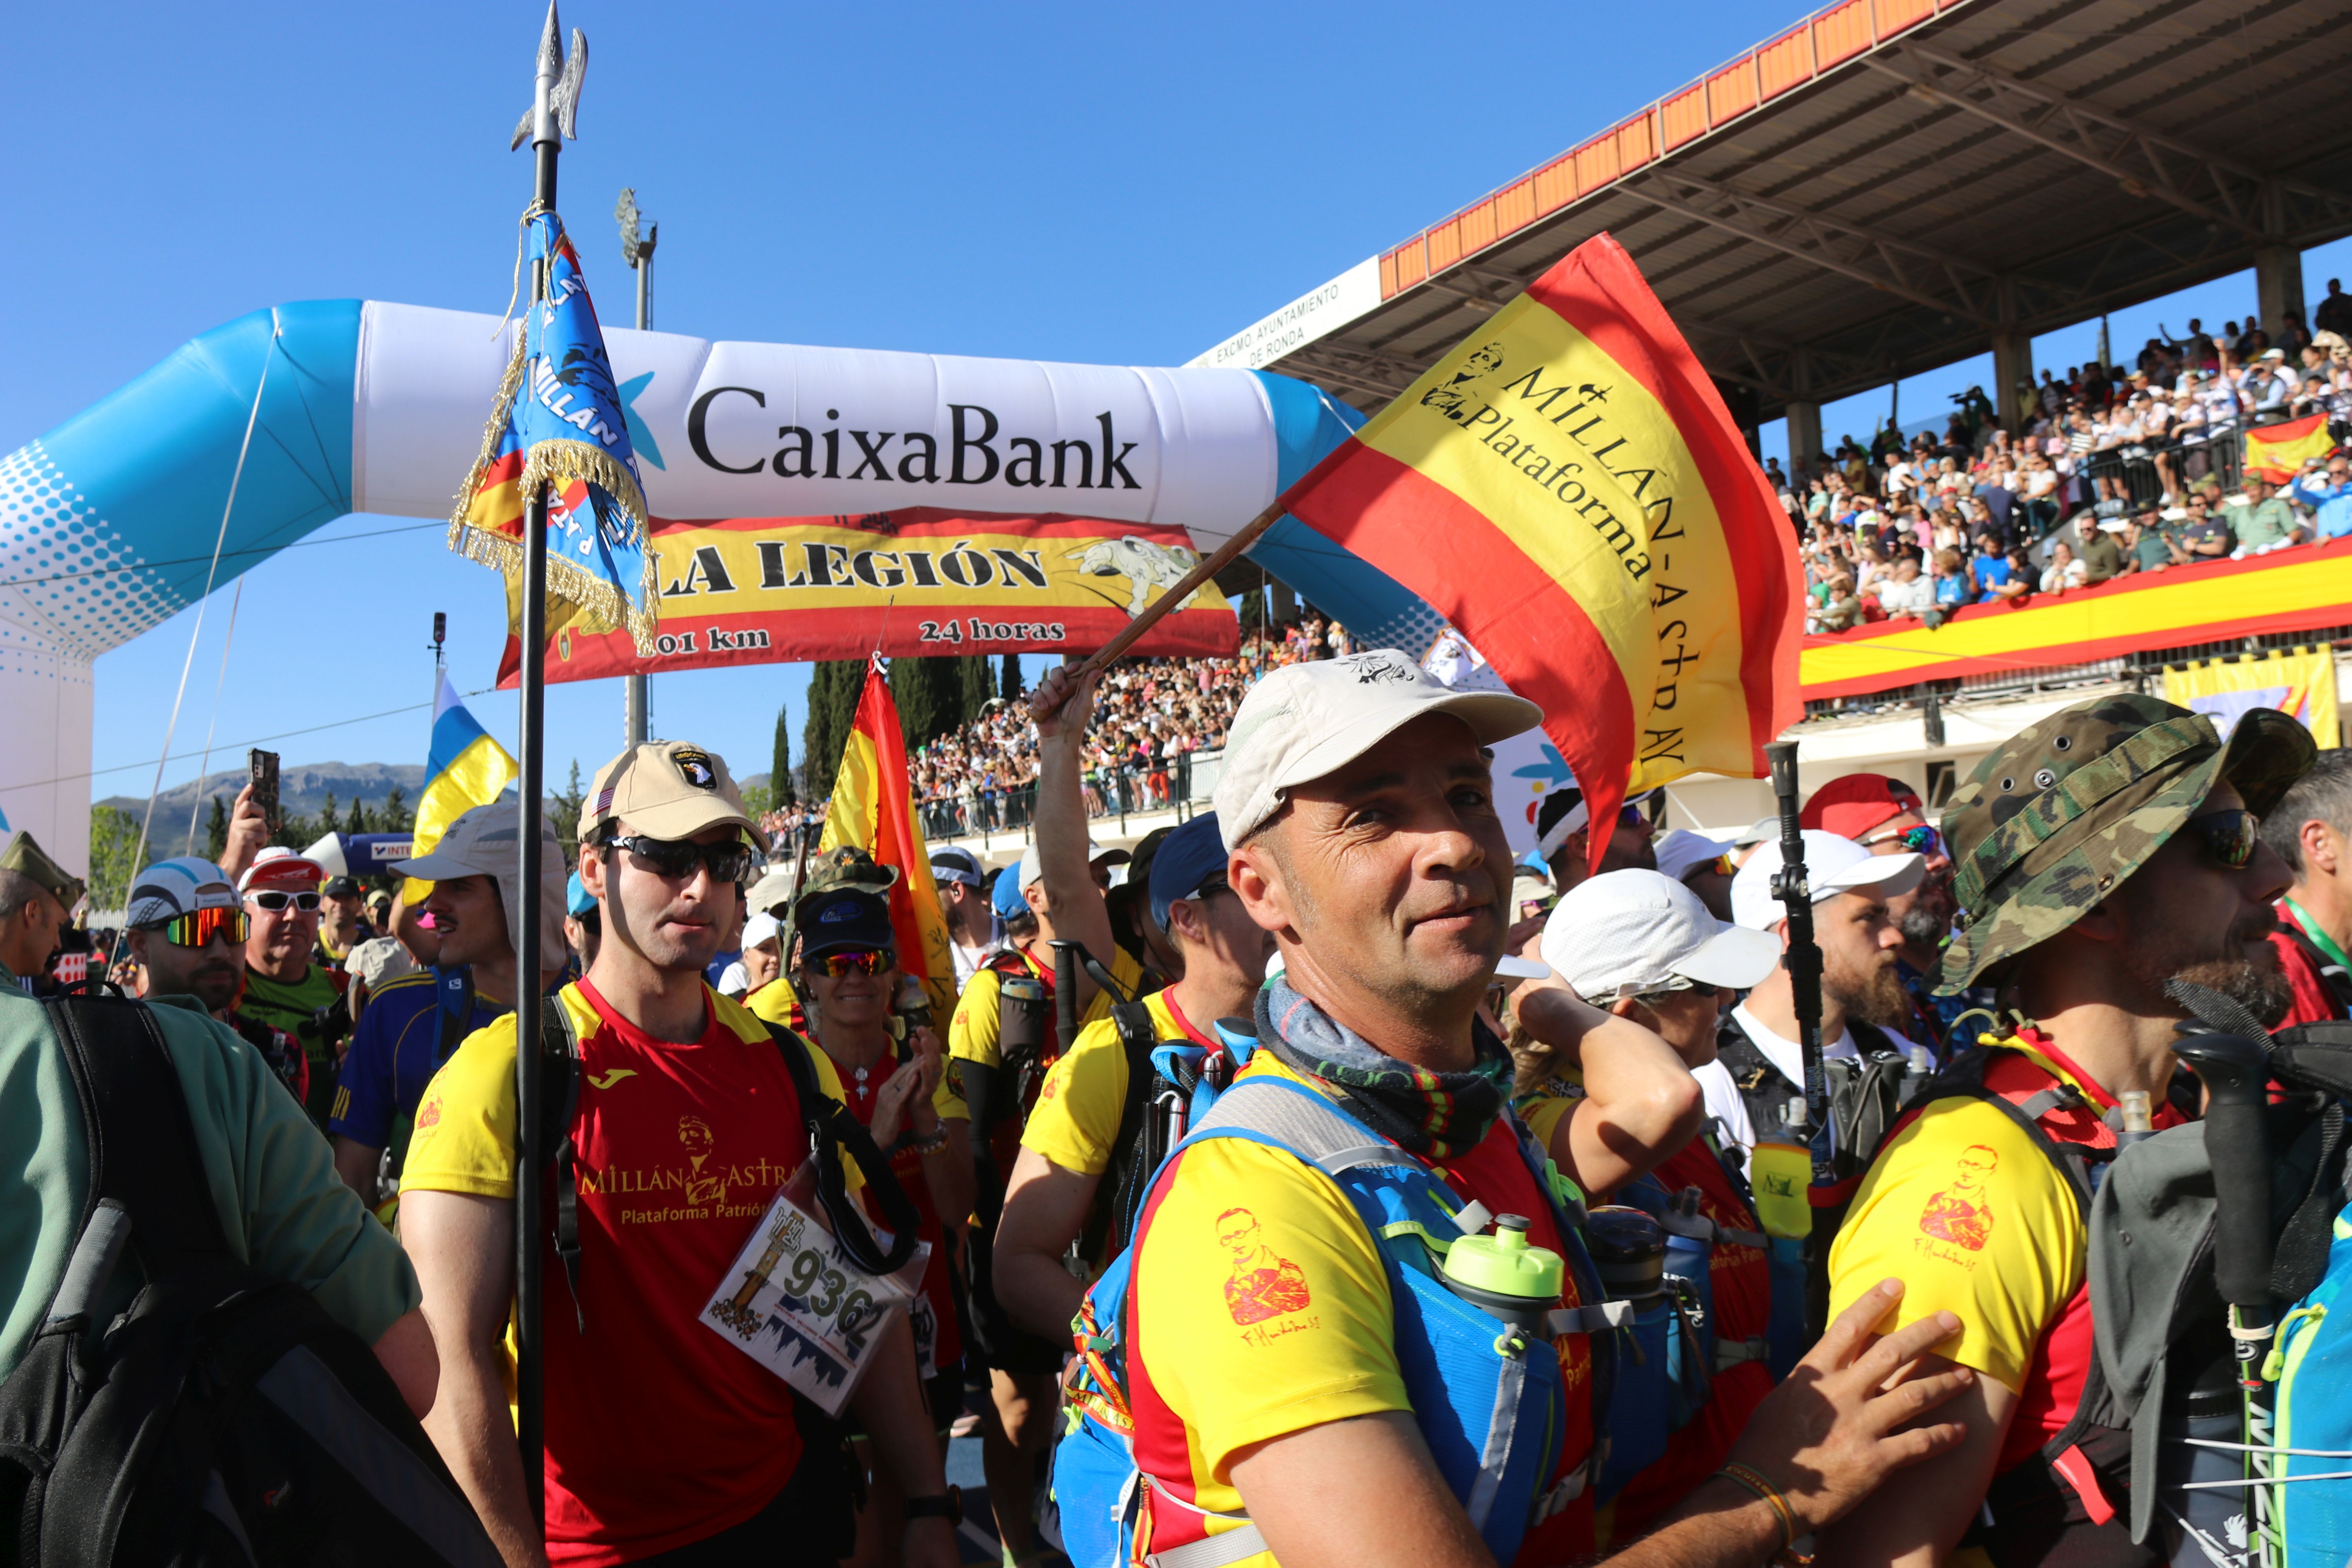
<point x="661" y="1438"/>
<point x="36" y="900"/>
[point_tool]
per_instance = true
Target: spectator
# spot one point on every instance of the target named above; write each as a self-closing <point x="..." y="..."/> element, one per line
<point x="710" y="1454"/>
<point x="1954" y="588"/>
<point x="1990" y="565"/>
<point x="283" y="987"/>
<point x="2021" y="579"/>
<point x="415" y="1025"/>
<point x="1841" y="607"/>
<point x="2063" y="572"/>
<point x="2205" y="537"/>
<point x="2328" y="493"/>
<point x="1908" y="595"/>
<point x="2263" y="522"/>
<point x="2039" y="494"/>
<point x="342" y="926"/>
<point x="2150" y="543"/>
<point x="36" y="900"/>
<point x="2101" y="558"/>
<point x="2335" y="312"/>
<point x="186" y="928"/>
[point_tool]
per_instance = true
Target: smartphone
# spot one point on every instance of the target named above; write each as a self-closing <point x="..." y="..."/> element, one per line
<point x="263" y="766"/>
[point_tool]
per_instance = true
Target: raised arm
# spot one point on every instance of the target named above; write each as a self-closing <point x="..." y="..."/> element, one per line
<point x="1073" y="903"/>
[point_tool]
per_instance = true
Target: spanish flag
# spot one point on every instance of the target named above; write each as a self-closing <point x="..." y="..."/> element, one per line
<point x="873" y="809"/>
<point x="1569" y="490"/>
<point x="464" y="768"/>
<point x="2277" y="452"/>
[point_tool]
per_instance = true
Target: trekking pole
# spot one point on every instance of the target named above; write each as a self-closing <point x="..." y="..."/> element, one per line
<point x="1065" y="994"/>
<point x="1804" y="956"/>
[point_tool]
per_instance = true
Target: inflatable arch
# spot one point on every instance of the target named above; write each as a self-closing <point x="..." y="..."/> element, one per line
<point x="108" y="523"/>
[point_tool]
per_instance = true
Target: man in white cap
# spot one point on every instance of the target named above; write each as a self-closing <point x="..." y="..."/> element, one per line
<point x="1642" y="945"/>
<point x="1861" y="994"/>
<point x="1266" y="1371"/>
<point x="1698" y="863"/>
<point x="664" y="1442"/>
<point x="416" y="1023"/>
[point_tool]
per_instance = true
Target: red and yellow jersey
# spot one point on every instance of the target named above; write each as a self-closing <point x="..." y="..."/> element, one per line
<point x="1074" y="1122"/>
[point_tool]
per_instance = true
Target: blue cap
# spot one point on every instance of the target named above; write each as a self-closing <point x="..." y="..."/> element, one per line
<point x="1194" y="854"/>
<point x="576" y="901"/>
<point x="842" y="917"/>
<point x="1005" y="897"/>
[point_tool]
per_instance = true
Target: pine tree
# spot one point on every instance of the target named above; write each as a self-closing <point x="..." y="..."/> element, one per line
<point x="833" y="688"/>
<point x="327" y="813"/>
<point x="780" y="761"/>
<point x="217" y="830"/>
<point x="1008" y="685"/>
<point x="396" y="816"/>
<point x="357" y="822"/>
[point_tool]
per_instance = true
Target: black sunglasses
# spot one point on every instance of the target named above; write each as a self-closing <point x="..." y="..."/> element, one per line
<point x="676" y="858"/>
<point x="2229" y="837"/>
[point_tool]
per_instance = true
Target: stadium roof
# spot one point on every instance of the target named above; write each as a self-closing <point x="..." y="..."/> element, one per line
<point x="1882" y="187"/>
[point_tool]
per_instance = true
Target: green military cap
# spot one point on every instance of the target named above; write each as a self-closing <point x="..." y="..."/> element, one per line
<point x="2056" y="819"/>
<point x="28" y="858"/>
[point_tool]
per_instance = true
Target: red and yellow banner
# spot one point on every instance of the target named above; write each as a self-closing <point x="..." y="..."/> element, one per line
<point x="775" y="590"/>
<point x="2277" y="452"/>
<point x="1567" y="487"/>
<point x="873" y="810"/>
<point x="2296" y="590"/>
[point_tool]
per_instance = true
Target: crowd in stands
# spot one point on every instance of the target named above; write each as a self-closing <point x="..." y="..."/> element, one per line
<point x="2111" y="471"/>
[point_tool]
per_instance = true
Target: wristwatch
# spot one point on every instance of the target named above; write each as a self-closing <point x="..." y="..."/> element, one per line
<point x="947" y="1505"/>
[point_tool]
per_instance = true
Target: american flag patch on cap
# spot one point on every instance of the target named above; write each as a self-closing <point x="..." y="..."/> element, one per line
<point x="604" y="798"/>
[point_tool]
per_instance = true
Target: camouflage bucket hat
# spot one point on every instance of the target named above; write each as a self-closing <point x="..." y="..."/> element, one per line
<point x="2056" y="819"/>
<point x="843" y="866"/>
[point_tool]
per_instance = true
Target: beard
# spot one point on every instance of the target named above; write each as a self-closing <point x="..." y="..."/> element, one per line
<point x="1924" y="926"/>
<point x="1875" y="996"/>
<point x="2259" y="990"/>
<point x="2260" y="987"/>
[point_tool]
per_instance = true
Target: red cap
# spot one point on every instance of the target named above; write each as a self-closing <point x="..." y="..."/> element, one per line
<point x="282" y="872"/>
<point x="1852" y="806"/>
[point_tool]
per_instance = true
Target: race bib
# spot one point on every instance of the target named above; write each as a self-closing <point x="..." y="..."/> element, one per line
<point x="795" y="1303"/>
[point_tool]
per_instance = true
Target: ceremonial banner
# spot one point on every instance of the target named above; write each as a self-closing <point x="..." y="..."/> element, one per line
<point x="873" y="809"/>
<point x="778" y="589"/>
<point x="558" y="421"/>
<point x="2307" y="588"/>
<point x="2301" y="683"/>
<point x="464" y="768"/>
<point x="1567" y="488"/>
<point x="2277" y="452"/>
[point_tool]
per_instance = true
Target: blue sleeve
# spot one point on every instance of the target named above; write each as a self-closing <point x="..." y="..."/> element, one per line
<point x="364" y="1092"/>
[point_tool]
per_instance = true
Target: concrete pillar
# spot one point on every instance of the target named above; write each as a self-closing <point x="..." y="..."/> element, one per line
<point x="1286" y="603"/>
<point x="2278" y="287"/>
<point x="2012" y="361"/>
<point x="1804" y="439"/>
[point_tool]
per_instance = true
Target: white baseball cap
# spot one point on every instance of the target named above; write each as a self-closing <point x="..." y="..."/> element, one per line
<point x="1306" y="720"/>
<point x="1680" y="851"/>
<point x="1626" y="933"/>
<point x="761" y="927"/>
<point x="1832" y="865"/>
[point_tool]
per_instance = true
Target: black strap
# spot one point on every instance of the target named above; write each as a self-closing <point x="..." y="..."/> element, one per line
<point x="1132" y="1159"/>
<point x="833" y="1126"/>
<point x="559" y="1105"/>
<point x="131" y="1103"/>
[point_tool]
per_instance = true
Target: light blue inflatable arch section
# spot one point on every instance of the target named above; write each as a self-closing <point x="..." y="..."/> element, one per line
<point x="108" y="523"/>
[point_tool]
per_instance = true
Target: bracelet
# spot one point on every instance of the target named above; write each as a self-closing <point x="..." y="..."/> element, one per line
<point x="931" y="1145"/>
<point x="947" y="1505"/>
<point x="1768" y="1494"/>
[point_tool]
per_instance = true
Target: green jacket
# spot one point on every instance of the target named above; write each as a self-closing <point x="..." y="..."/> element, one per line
<point x="271" y="1176"/>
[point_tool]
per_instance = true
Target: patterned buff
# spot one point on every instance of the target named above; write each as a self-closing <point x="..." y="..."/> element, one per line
<point x="1436" y="1115"/>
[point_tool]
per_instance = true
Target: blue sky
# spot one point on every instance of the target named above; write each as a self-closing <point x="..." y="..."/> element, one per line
<point x="1117" y="184"/>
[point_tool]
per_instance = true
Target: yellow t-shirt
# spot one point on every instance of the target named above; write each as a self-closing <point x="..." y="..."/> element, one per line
<point x="1076" y="1120"/>
<point x="1974" y="1220"/>
<point x="973" y="1031"/>
<point x="1261" y="1304"/>
<point x="464" y="1139"/>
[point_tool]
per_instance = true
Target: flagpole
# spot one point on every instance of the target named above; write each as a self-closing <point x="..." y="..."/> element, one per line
<point x="1205" y="568"/>
<point x="530" y="1433"/>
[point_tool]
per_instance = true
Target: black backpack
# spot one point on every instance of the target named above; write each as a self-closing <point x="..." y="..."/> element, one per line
<point x="224" y="1418"/>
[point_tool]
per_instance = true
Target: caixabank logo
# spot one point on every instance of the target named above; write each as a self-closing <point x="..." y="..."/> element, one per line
<point x="978" y="451"/>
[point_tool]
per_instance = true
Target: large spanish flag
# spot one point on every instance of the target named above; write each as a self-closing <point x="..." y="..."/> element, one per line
<point x="1567" y="487"/>
<point x="2277" y="452"/>
<point x="873" y="809"/>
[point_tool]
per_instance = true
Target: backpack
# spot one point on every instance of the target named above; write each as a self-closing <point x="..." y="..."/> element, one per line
<point x="224" y="1418"/>
<point x="1483" y="1402"/>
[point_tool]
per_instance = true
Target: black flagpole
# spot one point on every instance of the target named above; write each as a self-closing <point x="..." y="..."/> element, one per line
<point x="547" y="130"/>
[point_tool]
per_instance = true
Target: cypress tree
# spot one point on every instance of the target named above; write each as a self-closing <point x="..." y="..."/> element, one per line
<point x="834" y="686"/>
<point x="779" y="766"/>
<point x="1008" y="685"/>
<point x="217" y="830"/>
<point x="977" y="678"/>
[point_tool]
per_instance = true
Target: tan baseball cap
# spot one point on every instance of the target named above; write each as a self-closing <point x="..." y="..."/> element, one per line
<point x="667" y="789"/>
<point x="1304" y="721"/>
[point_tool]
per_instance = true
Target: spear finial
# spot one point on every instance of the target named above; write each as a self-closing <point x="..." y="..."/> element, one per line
<point x="555" y="107"/>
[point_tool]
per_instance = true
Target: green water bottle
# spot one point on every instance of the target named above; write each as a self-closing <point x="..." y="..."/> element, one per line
<point x="1506" y="1276"/>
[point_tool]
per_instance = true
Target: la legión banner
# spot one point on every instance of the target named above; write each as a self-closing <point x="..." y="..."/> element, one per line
<point x="922" y="581"/>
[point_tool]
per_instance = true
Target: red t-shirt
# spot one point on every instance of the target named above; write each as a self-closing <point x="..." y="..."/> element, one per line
<point x="660" y="1433"/>
<point x="1740" y="1279"/>
<point x="947" y="1346"/>
<point x="2314" y="1003"/>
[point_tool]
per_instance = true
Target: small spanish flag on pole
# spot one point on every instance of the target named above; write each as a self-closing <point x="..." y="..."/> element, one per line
<point x="1569" y="490"/>
<point x="464" y="768"/>
<point x="2277" y="452"/>
<point x="873" y="809"/>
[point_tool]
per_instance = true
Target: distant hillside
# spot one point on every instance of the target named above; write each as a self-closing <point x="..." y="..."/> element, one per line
<point x="302" y="789"/>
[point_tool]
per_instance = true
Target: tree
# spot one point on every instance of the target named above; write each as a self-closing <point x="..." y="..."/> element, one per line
<point x="1008" y="685"/>
<point x="563" y="810"/>
<point x="357" y="822"/>
<point x="833" y="688"/>
<point x="978" y="680"/>
<point x="780" y="761"/>
<point x="327" y="813"/>
<point x="114" y="857"/>
<point x="396" y="816"/>
<point x="217" y="830"/>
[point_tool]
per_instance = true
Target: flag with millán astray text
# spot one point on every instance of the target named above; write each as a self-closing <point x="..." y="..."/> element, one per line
<point x="558" y="421"/>
<point x="1567" y="490"/>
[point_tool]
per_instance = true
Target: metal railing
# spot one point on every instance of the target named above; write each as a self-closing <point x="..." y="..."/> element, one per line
<point x="1182" y="784"/>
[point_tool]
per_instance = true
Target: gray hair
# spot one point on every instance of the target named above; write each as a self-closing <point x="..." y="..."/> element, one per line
<point x="16" y="890"/>
<point x="2323" y="795"/>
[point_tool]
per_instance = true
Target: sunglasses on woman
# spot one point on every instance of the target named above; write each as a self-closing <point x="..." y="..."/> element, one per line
<point x="276" y="903"/>
<point x="729" y="860"/>
<point x="2229" y="837"/>
<point x="851" y="961"/>
<point x="205" y="926"/>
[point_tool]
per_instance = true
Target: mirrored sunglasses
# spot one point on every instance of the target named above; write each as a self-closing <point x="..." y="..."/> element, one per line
<point x="676" y="858"/>
<point x="2229" y="837"/>
<point x="1920" y="840"/>
<point x="851" y="961"/>
<point x="204" y="926"/>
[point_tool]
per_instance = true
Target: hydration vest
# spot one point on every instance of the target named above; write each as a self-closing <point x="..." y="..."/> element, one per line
<point x="1485" y="1398"/>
